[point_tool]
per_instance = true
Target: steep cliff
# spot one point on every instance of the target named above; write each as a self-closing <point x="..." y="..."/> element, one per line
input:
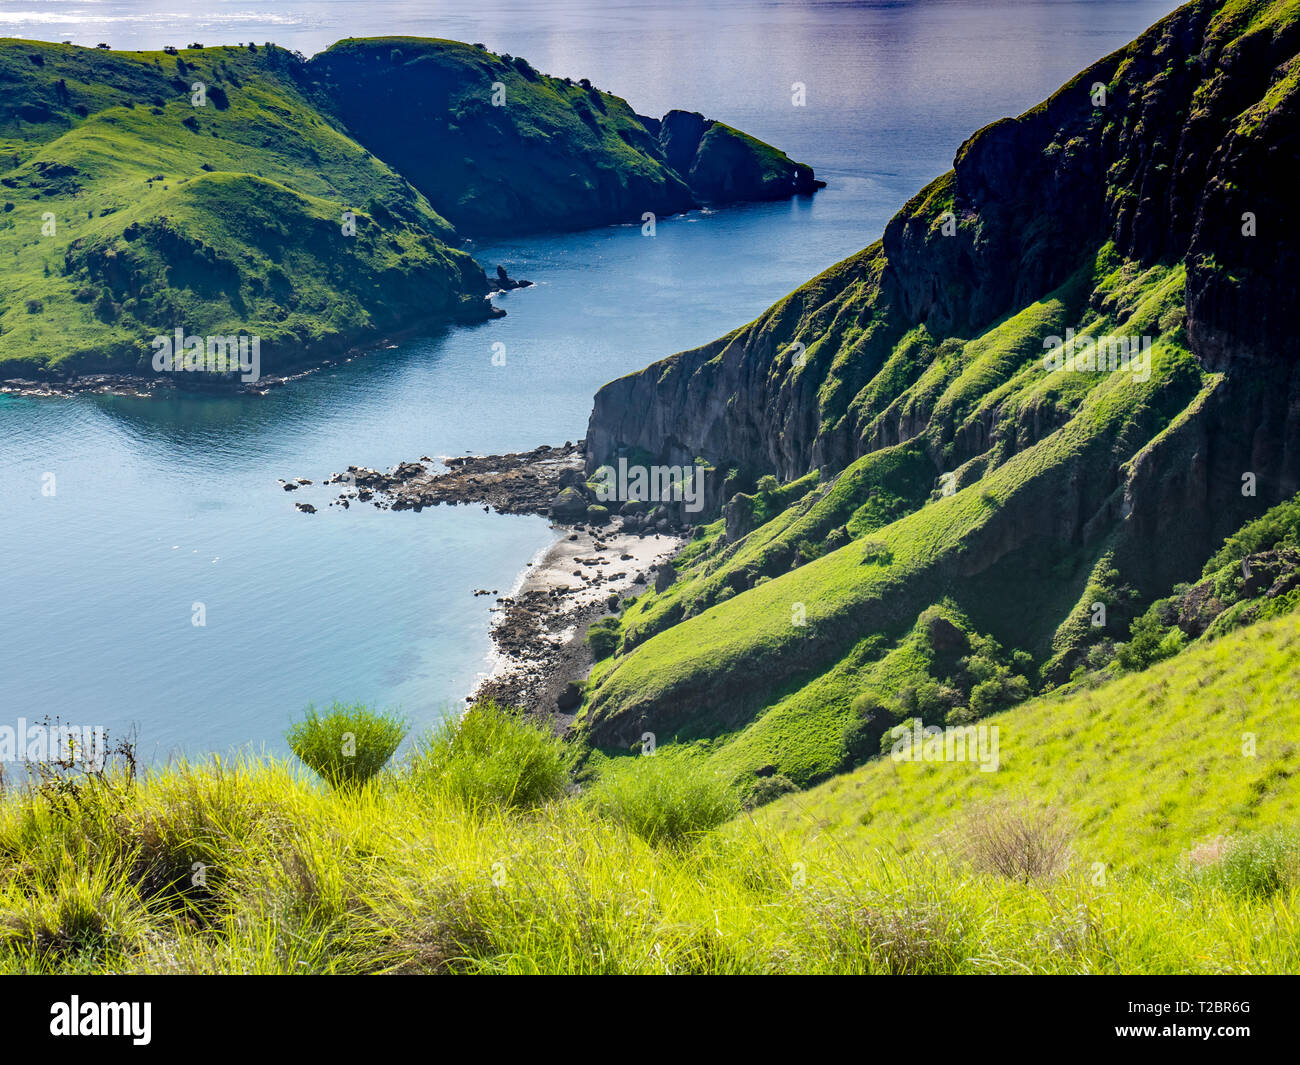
<point x="1198" y="121"/>
<point x="1144" y="201"/>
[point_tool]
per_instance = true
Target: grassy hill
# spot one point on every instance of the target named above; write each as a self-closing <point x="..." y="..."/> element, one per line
<point x="207" y="188"/>
<point x="1144" y="766"/>
<point x="215" y="219"/>
<point x="1124" y="832"/>
<point x="916" y="515"/>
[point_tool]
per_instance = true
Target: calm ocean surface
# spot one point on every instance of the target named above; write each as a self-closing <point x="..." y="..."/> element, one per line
<point x="164" y="504"/>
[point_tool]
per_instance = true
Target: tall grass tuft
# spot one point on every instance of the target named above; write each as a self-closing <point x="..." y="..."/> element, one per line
<point x="664" y="800"/>
<point x="396" y="877"/>
<point x="491" y="757"/>
<point x="79" y="915"/>
<point x="1256" y="865"/>
<point x="347" y="745"/>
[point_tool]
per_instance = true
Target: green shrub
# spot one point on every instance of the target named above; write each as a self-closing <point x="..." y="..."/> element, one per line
<point x="664" y="800"/>
<point x="768" y="789"/>
<point x="923" y="700"/>
<point x="492" y="757"/>
<point x="603" y="638"/>
<point x="960" y="716"/>
<point x="809" y="551"/>
<point x="1280" y="527"/>
<point x="904" y="740"/>
<point x="862" y="735"/>
<point x="1150" y="641"/>
<point x="986" y="697"/>
<point x="347" y="745"/>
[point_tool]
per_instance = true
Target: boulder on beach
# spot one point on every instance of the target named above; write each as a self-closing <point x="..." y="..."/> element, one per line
<point x="569" y="506"/>
<point x="570" y="698"/>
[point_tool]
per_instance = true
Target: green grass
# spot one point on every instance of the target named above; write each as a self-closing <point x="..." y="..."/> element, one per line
<point x="663" y="800"/>
<point x="1143" y="822"/>
<point x="774" y="648"/>
<point x="252" y="867"/>
<point x="1146" y="766"/>
<point x="492" y="758"/>
<point x="346" y="745"/>
<point x="1253" y="866"/>
<point x="215" y="219"/>
<point x="953" y="468"/>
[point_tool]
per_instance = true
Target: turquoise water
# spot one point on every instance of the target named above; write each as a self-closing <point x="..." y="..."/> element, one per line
<point x="161" y="504"/>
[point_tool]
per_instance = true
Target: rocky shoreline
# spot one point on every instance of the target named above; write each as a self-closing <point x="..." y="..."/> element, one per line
<point x="541" y="655"/>
<point x="141" y="387"/>
<point x="522" y="483"/>
<point x="598" y="561"/>
<point x="148" y="387"/>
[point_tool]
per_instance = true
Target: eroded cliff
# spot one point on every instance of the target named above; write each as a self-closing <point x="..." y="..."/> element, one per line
<point x="1145" y="201"/>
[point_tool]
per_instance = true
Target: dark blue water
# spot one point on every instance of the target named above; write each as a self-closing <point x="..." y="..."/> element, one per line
<point x="160" y="505"/>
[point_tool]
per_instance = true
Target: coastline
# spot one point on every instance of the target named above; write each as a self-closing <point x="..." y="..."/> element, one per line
<point x="539" y="636"/>
<point x="149" y="386"/>
<point x="539" y="655"/>
<point x="141" y="386"/>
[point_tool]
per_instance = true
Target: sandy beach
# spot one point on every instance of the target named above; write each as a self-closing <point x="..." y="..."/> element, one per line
<point x="539" y="634"/>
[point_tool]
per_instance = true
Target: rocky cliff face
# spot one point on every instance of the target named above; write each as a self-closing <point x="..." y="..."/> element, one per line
<point x="1145" y="199"/>
<point x="1197" y="126"/>
<point x="723" y="165"/>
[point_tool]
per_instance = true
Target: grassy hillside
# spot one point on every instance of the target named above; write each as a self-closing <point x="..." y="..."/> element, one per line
<point x="786" y="626"/>
<point x="1144" y="767"/>
<point x="1123" y="833"/>
<point x="206" y="189"/>
<point x="216" y="219"/>
<point x="947" y="473"/>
